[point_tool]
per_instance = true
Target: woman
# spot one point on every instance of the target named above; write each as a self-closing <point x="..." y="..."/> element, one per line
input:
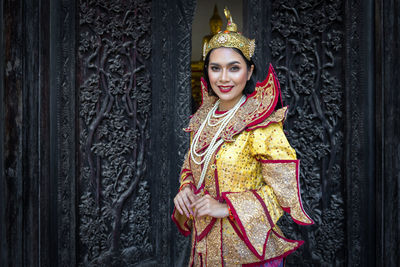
<point x="240" y="173"/>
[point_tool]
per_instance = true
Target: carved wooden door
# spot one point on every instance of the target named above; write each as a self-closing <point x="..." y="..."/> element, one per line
<point x="94" y="95"/>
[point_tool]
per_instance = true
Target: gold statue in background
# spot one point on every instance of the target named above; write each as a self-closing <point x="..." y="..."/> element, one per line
<point x="215" y="26"/>
<point x="197" y="66"/>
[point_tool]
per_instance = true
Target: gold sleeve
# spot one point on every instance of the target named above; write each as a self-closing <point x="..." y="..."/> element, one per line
<point x="280" y="170"/>
<point x="255" y="212"/>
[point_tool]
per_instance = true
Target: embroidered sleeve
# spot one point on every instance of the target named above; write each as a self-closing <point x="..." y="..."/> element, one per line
<point x="257" y="211"/>
<point x="280" y="169"/>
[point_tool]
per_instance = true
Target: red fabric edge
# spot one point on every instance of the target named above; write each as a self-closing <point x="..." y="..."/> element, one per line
<point x="269" y="123"/>
<point x="287" y="209"/>
<point x="203" y="82"/>
<point x="236" y="229"/>
<point x="186" y="170"/>
<point x="181" y="230"/>
<point x="216" y="174"/>
<point x="187" y="176"/>
<point x="206" y="230"/>
<point x="245" y="238"/>
<point x="271" y="223"/>
<point x="264" y="207"/>
<point x="284" y="255"/>
<point x="222" y="249"/>
<point x="274" y="101"/>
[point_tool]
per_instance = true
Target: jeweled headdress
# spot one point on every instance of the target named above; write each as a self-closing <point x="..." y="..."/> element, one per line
<point x="230" y="38"/>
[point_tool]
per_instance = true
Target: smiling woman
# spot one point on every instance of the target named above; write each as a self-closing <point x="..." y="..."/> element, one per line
<point x="227" y="73"/>
<point x="240" y="173"/>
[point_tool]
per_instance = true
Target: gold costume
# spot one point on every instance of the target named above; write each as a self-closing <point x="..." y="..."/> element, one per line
<point x="254" y="171"/>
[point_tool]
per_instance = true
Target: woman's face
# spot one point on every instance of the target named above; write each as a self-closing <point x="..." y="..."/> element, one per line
<point x="228" y="74"/>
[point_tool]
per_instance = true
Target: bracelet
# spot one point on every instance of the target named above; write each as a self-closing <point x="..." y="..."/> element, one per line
<point x="230" y="213"/>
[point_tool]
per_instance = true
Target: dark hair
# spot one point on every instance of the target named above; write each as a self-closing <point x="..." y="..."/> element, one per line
<point x="250" y="84"/>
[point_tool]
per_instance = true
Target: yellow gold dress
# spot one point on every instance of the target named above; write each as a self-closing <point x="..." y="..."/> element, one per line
<point x="254" y="171"/>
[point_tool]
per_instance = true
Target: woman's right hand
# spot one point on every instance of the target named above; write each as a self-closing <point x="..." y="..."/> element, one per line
<point x="183" y="200"/>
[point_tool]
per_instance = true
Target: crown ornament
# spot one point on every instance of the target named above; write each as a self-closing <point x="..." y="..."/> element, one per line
<point x="230" y="38"/>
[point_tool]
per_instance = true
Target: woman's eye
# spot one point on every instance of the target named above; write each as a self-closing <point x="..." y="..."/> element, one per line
<point x="214" y="68"/>
<point x="235" y="68"/>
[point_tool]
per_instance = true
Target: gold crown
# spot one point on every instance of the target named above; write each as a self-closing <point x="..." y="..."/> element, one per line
<point x="230" y="38"/>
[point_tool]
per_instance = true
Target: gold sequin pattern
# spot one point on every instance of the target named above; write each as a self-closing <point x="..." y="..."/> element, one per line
<point x="235" y="250"/>
<point x="252" y="217"/>
<point x="240" y="168"/>
<point x="277" y="246"/>
<point x="282" y="178"/>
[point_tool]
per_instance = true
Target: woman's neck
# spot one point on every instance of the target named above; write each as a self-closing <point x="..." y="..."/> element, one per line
<point x="227" y="105"/>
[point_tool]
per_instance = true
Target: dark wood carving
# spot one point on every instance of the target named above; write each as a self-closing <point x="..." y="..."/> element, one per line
<point x="387" y="101"/>
<point x="304" y="41"/>
<point x="360" y="155"/>
<point x="63" y="106"/>
<point x="171" y="109"/>
<point x="12" y="135"/>
<point x="114" y="111"/>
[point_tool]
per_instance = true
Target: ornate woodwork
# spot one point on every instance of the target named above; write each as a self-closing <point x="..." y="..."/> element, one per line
<point x="114" y="48"/>
<point x="304" y="41"/>
<point x="94" y="95"/>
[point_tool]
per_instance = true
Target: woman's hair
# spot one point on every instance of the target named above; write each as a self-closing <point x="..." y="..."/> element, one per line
<point x="250" y="84"/>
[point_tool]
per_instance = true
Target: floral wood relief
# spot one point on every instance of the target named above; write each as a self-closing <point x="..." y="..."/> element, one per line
<point x="306" y="48"/>
<point x="114" y="110"/>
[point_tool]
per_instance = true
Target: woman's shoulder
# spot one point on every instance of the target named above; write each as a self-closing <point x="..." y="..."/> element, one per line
<point x="276" y="118"/>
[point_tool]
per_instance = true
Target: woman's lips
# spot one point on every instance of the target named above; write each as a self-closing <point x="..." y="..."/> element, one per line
<point x="225" y="89"/>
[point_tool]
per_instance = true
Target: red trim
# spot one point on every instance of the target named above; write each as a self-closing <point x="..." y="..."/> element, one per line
<point x="284" y="255"/>
<point x="221" y="112"/>
<point x="216" y="173"/>
<point x="269" y="123"/>
<point x="236" y="229"/>
<point x="185" y="170"/>
<point x="222" y="250"/>
<point x="203" y="91"/>
<point x="188" y="175"/>
<point x="206" y="230"/>
<point x="287" y="209"/>
<point x="197" y="191"/>
<point x="181" y="230"/>
<point x="185" y="184"/>
<point x="264" y="207"/>
<point x="277" y="82"/>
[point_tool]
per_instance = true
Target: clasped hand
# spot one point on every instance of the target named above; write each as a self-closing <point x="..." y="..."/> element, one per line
<point x="190" y="204"/>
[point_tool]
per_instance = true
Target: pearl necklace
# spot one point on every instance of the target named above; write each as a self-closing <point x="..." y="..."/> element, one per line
<point x="214" y="144"/>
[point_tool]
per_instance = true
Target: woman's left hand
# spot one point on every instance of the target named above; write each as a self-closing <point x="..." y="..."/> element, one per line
<point x="207" y="205"/>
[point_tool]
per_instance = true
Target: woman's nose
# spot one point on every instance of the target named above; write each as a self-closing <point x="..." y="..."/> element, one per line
<point x="224" y="75"/>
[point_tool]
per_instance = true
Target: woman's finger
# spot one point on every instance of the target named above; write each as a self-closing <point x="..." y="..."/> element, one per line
<point x="186" y="202"/>
<point x="200" y="199"/>
<point x="204" y="210"/>
<point x="177" y="206"/>
<point x="192" y="197"/>
<point x="201" y="204"/>
<point x="182" y="206"/>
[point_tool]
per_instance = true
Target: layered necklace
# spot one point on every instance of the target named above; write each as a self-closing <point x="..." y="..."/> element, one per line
<point x="222" y="120"/>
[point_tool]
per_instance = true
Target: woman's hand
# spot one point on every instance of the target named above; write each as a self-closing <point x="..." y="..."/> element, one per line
<point x="183" y="200"/>
<point x="207" y="205"/>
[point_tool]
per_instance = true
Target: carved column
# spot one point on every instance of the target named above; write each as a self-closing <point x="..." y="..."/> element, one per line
<point x="171" y="109"/>
<point x="387" y="108"/>
<point x="360" y="154"/>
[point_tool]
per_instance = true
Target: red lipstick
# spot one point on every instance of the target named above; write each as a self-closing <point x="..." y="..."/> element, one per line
<point x="225" y="89"/>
